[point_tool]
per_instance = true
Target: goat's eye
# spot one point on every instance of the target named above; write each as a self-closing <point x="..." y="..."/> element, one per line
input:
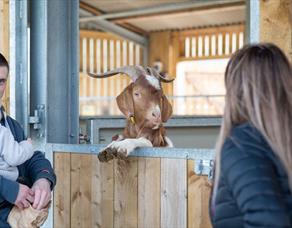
<point x="136" y="94"/>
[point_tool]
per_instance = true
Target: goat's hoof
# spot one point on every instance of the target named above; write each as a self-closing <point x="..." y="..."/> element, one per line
<point x="106" y="155"/>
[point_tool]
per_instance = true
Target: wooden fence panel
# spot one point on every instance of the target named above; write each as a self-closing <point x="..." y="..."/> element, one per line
<point x="62" y="201"/>
<point x="149" y="192"/>
<point x="138" y="193"/>
<point x="173" y="193"/>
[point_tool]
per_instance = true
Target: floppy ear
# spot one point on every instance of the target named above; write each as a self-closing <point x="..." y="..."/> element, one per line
<point x="125" y="101"/>
<point x="166" y="109"/>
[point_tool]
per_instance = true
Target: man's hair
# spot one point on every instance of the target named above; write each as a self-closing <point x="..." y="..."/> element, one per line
<point x="3" y="61"/>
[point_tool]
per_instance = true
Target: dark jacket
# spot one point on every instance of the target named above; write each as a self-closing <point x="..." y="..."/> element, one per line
<point x="33" y="169"/>
<point x="253" y="188"/>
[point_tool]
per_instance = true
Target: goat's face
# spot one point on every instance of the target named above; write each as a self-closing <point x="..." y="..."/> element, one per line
<point x="145" y="101"/>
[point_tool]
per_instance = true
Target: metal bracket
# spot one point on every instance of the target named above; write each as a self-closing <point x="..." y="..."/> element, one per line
<point x="37" y="119"/>
<point x="204" y="167"/>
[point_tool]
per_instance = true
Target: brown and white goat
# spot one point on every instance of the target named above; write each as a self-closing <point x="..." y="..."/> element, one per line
<point x="146" y="108"/>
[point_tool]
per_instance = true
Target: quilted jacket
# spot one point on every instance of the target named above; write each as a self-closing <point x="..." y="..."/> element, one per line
<point x="253" y="188"/>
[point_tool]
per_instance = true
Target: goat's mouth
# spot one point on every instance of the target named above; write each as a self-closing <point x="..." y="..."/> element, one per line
<point x="156" y="126"/>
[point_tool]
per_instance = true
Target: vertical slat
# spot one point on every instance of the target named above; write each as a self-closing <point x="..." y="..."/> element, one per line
<point x="62" y="200"/>
<point x="102" y="193"/>
<point x="111" y="79"/>
<point x="81" y="191"/>
<point x="198" y="199"/>
<point x="91" y="80"/>
<point x="182" y="46"/>
<point x="87" y="79"/>
<point x="173" y="193"/>
<point x="84" y="65"/>
<point x="233" y="42"/>
<point x="126" y="193"/>
<point x="194" y="47"/>
<point x="149" y="192"/>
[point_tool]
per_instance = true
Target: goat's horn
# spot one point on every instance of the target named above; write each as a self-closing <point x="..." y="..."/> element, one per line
<point x="162" y="78"/>
<point x="133" y="71"/>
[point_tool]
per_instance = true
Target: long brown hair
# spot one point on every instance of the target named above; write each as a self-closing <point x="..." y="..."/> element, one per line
<point x="258" y="81"/>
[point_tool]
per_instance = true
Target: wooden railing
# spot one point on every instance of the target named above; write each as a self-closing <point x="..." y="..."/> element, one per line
<point x="210" y="43"/>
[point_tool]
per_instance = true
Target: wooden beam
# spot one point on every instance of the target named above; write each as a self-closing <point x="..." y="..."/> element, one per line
<point x="202" y="10"/>
<point x="97" y="12"/>
<point x="133" y="28"/>
<point x="90" y="8"/>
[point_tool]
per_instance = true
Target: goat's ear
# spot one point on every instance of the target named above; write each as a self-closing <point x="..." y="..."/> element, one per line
<point x="166" y="109"/>
<point x="125" y="101"/>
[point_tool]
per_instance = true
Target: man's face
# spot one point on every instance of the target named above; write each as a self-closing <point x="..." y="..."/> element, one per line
<point x="3" y="79"/>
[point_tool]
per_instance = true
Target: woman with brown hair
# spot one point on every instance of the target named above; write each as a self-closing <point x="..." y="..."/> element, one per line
<point x="253" y="176"/>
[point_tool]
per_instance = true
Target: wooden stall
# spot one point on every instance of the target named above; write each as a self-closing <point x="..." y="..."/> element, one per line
<point x="139" y="192"/>
<point x="100" y="52"/>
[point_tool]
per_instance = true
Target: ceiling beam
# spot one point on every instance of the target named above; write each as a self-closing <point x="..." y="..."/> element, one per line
<point x="90" y="9"/>
<point x="163" y="9"/>
<point x="122" y="32"/>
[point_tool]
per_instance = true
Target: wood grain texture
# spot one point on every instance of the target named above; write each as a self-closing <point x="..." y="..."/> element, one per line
<point x="4" y="44"/>
<point x="276" y="24"/>
<point x="81" y="191"/>
<point x="102" y="193"/>
<point x="126" y="193"/>
<point x="149" y="193"/>
<point x="198" y="199"/>
<point x="62" y="192"/>
<point x="173" y="193"/>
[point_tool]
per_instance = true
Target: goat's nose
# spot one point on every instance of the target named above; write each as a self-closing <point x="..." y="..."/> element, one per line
<point x="156" y="114"/>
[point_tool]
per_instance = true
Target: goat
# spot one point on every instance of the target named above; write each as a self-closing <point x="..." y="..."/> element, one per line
<point x="146" y="108"/>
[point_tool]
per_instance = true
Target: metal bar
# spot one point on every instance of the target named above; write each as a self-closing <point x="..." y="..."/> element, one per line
<point x="161" y="9"/>
<point x="252" y="32"/>
<point x="158" y="152"/>
<point x="183" y="121"/>
<point x="55" y="69"/>
<point x="19" y="62"/>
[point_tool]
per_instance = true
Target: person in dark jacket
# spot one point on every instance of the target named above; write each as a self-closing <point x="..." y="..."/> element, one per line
<point x="253" y="174"/>
<point x="36" y="177"/>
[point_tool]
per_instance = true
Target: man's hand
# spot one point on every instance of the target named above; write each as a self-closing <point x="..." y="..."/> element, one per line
<point x="24" y="197"/>
<point x="42" y="193"/>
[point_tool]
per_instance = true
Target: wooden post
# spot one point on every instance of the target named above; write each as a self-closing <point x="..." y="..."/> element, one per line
<point x="4" y="42"/>
<point x="275" y="24"/>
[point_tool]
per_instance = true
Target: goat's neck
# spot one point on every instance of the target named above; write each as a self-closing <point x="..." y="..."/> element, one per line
<point x="156" y="137"/>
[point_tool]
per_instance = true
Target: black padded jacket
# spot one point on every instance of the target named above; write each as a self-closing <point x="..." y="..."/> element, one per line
<point x="253" y="188"/>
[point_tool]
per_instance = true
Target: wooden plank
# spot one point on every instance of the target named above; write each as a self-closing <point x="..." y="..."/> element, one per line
<point x="4" y="44"/>
<point x="198" y="199"/>
<point x="102" y="193"/>
<point x="126" y="193"/>
<point x="81" y="191"/>
<point x="62" y="199"/>
<point x="149" y="192"/>
<point x="173" y="193"/>
<point x="99" y="35"/>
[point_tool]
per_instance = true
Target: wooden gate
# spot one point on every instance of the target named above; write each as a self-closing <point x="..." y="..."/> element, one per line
<point x="140" y="192"/>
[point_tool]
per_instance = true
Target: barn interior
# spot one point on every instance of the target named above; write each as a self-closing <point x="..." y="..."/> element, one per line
<point x="53" y="44"/>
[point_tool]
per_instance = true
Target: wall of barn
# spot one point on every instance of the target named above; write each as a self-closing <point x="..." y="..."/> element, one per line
<point x="4" y="41"/>
<point x="276" y="24"/>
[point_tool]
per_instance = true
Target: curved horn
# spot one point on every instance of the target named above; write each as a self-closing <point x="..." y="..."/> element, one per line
<point x="132" y="71"/>
<point x="162" y="78"/>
